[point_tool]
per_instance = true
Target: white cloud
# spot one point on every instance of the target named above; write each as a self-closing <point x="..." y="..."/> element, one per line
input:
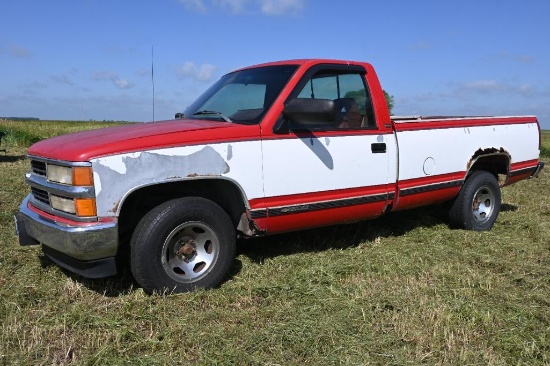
<point x="204" y="72"/>
<point x="194" y="5"/>
<point x="482" y="86"/>
<point x="507" y="56"/>
<point x="234" y="6"/>
<point x="481" y="97"/>
<point x="122" y="83"/>
<point x="113" y="77"/>
<point x="489" y="87"/>
<point x="62" y="79"/>
<point x="20" y="52"/>
<point x="144" y="72"/>
<point x="16" y="51"/>
<point x="267" y="7"/>
<point x="281" y="7"/>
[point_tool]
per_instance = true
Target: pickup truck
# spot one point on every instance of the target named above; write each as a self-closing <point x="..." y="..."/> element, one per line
<point x="267" y="149"/>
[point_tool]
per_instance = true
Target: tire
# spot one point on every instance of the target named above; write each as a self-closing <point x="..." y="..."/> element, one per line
<point x="478" y="203"/>
<point x="182" y="245"/>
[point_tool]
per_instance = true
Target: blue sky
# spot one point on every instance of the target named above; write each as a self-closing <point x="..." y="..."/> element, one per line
<point x="91" y="59"/>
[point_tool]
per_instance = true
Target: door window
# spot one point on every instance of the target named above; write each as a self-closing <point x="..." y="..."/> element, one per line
<point x="350" y="95"/>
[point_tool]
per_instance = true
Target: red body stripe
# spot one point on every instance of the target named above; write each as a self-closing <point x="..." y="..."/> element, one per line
<point x="523" y="165"/>
<point x="425" y="198"/>
<point x="432" y="179"/>
<point x="304" y="198"/>
<point x="461" y="123"/>
<point x="518" y="177"/>
<point x="333" y="216"/>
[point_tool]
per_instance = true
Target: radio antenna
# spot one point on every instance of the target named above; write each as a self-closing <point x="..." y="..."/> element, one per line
<point x="153" y="79"/>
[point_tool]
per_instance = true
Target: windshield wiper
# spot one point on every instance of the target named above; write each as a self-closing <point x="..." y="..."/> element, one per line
<point x="219" y="114"/>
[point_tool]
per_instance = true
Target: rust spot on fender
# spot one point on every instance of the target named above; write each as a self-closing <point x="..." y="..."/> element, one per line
<point x="115" y="207"/>
<point x="248" y="227"/>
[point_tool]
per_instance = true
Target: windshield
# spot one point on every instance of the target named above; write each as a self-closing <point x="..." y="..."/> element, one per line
<point x="241" y="96"/>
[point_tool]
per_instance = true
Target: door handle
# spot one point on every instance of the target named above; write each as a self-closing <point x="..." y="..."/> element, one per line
<point x="378" y="148"/>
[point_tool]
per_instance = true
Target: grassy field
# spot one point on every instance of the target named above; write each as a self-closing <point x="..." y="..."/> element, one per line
<point x="403" y="289"/>
<point x="24" y="133"/>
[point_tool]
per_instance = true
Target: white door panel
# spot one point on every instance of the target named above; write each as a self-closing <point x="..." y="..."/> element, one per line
<point x="315" y="164"/>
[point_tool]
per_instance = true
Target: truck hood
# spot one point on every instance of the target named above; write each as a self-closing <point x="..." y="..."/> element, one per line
<point x="85" y="145"/>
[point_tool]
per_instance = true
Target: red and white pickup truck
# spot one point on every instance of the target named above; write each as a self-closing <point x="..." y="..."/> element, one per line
<point x="267" y="149"/>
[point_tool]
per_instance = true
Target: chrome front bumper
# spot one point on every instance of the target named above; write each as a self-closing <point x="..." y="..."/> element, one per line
<point x="88" y="250"/>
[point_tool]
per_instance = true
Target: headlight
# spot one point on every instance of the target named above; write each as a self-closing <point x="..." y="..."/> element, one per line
<point x="76" y="176"/>
<point x="62" y="204"/>
<point x="59" y="174"/>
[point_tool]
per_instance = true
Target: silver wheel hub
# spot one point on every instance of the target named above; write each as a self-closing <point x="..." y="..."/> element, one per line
<point x="483" y="204"/>
<point x="190" y="251"/>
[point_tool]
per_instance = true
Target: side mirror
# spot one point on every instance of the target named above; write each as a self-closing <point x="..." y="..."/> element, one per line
<point x="308" y="111"/>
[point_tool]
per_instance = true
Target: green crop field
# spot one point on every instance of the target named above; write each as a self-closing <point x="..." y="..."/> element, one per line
<point x="400" y="290"/>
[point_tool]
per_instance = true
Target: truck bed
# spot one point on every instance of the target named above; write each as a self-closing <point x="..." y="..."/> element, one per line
<point x="439" y="151"/>
<point x="418" y="118"/>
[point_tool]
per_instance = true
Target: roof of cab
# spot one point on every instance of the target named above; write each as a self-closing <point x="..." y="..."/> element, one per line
<point x="305" y="61"/>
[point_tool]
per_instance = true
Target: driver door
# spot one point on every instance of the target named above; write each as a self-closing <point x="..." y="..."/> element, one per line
<point x="329" y="173"/>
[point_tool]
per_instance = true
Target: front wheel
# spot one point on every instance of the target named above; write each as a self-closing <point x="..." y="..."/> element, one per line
<point x="478" y="203"/>
<point x="182" y="245"/>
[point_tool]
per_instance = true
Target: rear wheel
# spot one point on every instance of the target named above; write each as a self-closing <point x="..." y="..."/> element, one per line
<point x="478" y="203"/>
<point x="182" y="245"/>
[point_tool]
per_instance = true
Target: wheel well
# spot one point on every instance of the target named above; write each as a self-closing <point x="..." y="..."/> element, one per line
<point x="223" y="192"/>
<point x="494" y="163"/>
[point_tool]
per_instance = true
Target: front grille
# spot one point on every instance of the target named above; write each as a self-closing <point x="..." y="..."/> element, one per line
<point x="40" y="195"/>
<point x="38" y="167"/>
<point x="42" y="190"/>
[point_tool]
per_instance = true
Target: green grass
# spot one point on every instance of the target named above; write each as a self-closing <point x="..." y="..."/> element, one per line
<point x="400" y="290"/>
<point x="25" y="133"/>
<point x="545" y="149"/>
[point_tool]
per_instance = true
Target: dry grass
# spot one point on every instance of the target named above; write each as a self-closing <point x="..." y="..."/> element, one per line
<point x="404" y="289"/>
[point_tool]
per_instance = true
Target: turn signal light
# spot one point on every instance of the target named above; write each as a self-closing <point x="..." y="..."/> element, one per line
<point x="85" y="207"/>
<point x="82" y="176"/>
